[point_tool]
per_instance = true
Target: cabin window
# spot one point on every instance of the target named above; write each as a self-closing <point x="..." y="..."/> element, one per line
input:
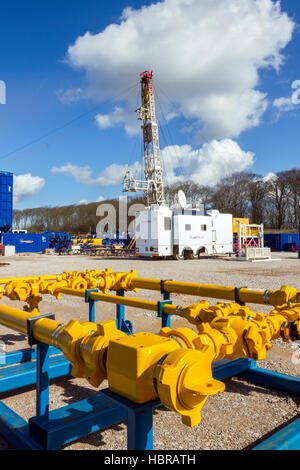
<point x="167" y="223"/>
<point x="203" y="228"/>
<point x="188" y="227"/>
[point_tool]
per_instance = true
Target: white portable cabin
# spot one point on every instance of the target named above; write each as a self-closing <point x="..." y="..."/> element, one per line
<point x="153" y="232"/>
<point x="184" y="233"/>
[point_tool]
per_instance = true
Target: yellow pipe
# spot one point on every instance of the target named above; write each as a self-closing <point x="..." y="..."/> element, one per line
<point x="115" y="299"/>
<point x="28" y="278"/>
<point x="195" y="313"/>
<point x="276" y="297"/>
<point x="17" y="320"/>
<point x="107" y="280"/>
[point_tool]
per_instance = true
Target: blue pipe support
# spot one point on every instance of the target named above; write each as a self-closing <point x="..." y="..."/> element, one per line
<point x="58" y="427"/>
<point x="139" y="421"/>
<point x="287" y="438"/>
<point x="91" y="303"/>
<point x="166" y="319"/>
<point x="42" y="380"/>
<point x="21" y="375"/>
<point x="122" y="324"/>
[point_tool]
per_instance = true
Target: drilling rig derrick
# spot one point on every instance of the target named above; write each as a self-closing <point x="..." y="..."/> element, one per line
<point x="152" y="186"/>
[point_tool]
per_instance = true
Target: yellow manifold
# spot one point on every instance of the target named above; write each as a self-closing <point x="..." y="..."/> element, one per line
<point x="175" y="365"/>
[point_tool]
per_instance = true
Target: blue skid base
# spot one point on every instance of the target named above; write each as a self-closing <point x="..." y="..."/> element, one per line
<point x="76" y="420"/>
<point x="61" y="426"/>
<point x="287" y="438"/>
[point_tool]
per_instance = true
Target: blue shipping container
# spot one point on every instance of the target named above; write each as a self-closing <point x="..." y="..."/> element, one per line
<point x="6" y="201"/>
<point x="281" y="241"/>
<point x="26" y="242"/>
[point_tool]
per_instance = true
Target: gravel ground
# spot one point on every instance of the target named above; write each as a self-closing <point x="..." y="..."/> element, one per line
<point x="234" y="419"/>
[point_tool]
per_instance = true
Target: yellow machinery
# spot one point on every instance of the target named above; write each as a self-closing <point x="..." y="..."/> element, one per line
<point x="29" y="289"/>
<point x="235" y="224"/>
<point x="175" y="365"/>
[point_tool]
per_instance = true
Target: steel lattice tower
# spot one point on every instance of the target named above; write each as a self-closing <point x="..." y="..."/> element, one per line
<point x="153" y="184"/>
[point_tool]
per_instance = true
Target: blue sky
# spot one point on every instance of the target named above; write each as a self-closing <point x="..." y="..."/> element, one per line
<point x="48" y="85"/>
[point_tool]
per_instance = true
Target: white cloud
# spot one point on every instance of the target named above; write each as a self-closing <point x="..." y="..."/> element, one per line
<point x="26" y="185"/>
<point x="117" y="117"/>
<point x="207" y="165"/>
<point x="114" y="174"/>
<point x="111" y="175"/>
<point x="100" y="199"/>
<point x="206" y="56"/>
<point x="82" y="174"/>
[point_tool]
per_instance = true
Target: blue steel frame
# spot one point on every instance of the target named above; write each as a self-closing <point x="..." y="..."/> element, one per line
<point x="52" y="429"/>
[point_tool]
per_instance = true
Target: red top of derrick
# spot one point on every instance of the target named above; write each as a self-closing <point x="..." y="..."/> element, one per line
<point x="146" y="77"/>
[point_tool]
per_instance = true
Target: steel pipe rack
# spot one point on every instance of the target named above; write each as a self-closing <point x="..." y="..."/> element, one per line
<point x="52" y="429"/>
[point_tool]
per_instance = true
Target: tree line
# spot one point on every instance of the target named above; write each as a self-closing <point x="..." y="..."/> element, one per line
<point x="273" y="201"/>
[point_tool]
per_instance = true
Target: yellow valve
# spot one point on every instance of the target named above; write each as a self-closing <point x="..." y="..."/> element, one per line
<point x="220" y="341"/>
<point x="184" y="382"/>
<point x="53" y="288"/>
<point x="143" y="366"/>
<point x="237" y="336"/>
<point x="202" y="312"/>
<point x="252" y="337"/>
<point x="85" y="346"/>
<point x="125" y="281"/>
<point x="291" y="312"/>
<point x="78" y="284"/>
<point x="106" y="280"/>
<point x="17" y="290"/>
<point x="193" y="313"/>
<point x="68" y="338"/>
<point x="184" y="336"/>
<point x="93" y="351"/>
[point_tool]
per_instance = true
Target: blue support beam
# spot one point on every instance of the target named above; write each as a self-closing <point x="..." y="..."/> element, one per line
<point x="42" y="380"/>
<point x="223" y="369"/>
<point x="24" y="355"/>
<point x="73" y="421"/>
<point x="139" y="421"/>
<point x="120" y="311"/>
<point x="21" y="375"/>
<point x="51" y="430"/>
<point x="270" y="379"/>
<point x="15" y="430"/>
<point x="122" y="324"/>
<point x="287" y="438"/>
<point x="91" y="303"/>
<point x="166" y="319"/>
